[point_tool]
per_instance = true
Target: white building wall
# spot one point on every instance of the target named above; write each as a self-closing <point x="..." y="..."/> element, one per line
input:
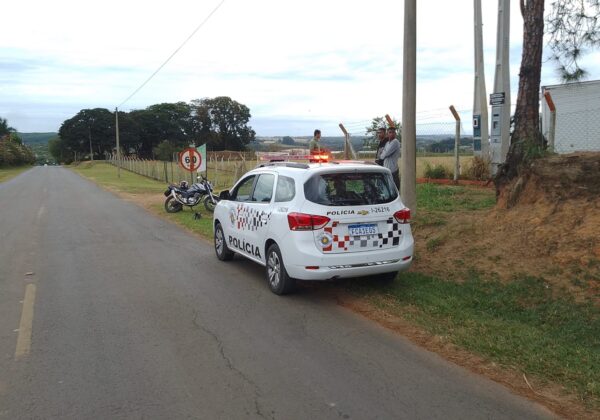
<point x="577" y="116"/>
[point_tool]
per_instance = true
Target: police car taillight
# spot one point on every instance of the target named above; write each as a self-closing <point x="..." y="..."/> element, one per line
<point x="402" y="216"/>
<point x="303" y="221"/>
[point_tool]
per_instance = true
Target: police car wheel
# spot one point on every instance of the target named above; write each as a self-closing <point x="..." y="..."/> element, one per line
<point x="221" y="249"/>
<point x="279" y="281"/>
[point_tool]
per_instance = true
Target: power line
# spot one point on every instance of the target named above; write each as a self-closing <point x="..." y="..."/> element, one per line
<point x="173" y="54"/>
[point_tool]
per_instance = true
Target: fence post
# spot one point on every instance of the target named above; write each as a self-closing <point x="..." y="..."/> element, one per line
<point x="216" y="163"/>
<point x="456" y="143"/>
<point x="552" y="129"/>
<point x="346" y="139"/>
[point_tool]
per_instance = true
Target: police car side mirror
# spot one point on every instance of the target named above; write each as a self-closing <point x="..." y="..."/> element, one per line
<point x="224" y="195"/>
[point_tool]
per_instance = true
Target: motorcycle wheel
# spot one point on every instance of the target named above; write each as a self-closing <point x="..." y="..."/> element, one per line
<point x="208" y="204"/>
<point x="172" y="206"/>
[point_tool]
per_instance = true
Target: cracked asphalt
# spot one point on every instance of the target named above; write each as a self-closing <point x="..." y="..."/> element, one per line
<point x="134" y="318"/>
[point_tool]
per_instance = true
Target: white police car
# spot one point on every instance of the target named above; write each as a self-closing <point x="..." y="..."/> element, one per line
<point x="315" y="222"/>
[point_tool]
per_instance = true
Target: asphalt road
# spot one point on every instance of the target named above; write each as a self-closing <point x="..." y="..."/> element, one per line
<point x="134" y="318"/>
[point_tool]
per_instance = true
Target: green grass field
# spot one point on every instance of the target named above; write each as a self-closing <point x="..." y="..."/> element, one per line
<point x="106" y="175"/>
<point x="523" y="325"/>
<point x="11" y="172"/>
<point x="185" y="218"/>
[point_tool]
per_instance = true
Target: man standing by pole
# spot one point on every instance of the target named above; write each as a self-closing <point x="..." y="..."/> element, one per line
<point x="382" y="139"/>
<point x="390" y="155"/>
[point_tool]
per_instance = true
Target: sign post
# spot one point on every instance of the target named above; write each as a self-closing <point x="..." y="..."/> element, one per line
<point x="190" y="160"/>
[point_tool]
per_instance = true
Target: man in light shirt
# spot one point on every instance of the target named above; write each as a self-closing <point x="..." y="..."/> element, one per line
<point x="390" y="155"/>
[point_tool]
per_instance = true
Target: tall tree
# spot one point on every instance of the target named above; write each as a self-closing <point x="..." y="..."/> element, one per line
<point x="574" y="27"/>
<point x="96" y="124"/>
<point x="222" y="123"/>
<point x="165" y="121"/>
<point x="566" y="43"/>
<point x="58" y="150"/>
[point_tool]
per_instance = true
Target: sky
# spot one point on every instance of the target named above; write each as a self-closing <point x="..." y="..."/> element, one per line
<point x="298" y="65"/>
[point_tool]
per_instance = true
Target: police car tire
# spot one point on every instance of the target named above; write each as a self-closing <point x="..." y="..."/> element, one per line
<point x="286" y="284"/>
<point x="225" y="254"/>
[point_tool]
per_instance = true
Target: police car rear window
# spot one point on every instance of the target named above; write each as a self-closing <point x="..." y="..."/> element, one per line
<point x="350" y="189"/>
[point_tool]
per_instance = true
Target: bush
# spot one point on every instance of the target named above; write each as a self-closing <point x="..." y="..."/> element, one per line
<point x="13" y="152"/>
<point x="437" y="171"/>
<point x="478" y="170"/>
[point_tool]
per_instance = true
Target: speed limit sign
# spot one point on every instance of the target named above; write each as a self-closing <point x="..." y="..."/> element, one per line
<point x="190" y="159"/>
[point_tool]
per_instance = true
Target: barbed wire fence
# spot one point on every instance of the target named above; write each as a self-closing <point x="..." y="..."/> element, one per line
<point x="223" y="168"/>
<point x="435" y="140"/>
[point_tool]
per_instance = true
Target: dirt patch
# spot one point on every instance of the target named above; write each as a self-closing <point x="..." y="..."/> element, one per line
<point x="546" y="224"/>
<point x="554" y="180"/>
<point x="147" y="201"/>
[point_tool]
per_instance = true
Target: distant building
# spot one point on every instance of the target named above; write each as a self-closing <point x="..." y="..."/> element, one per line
<point x="577" y="116"/>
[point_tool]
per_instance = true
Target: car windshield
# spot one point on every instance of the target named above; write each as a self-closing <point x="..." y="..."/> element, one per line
<point x="350" y="189"/>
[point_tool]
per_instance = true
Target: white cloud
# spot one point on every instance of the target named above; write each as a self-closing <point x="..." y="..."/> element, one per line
<point x="313" y="61"/>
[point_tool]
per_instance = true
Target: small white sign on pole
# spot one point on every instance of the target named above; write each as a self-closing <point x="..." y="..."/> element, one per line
<point x="202" y="151"/>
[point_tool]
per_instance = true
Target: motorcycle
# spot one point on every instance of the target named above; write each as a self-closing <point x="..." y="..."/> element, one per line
<point x="184" y="195"/>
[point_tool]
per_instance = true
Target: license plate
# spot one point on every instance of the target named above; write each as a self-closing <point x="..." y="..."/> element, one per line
<point x="363" y="229"/>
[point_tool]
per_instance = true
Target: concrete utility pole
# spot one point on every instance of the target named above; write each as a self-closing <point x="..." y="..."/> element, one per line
<point x="481" y="140"/>
<point x="118" y="145"/>
<point x="500" y="99"/>
<point x="408" y="179"/>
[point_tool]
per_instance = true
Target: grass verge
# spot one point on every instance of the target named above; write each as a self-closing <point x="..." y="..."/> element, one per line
<point x="10" y="172"/>
<point x="106" y="175"/>
<point x="522" y="325"/>
<point x="185" y="218"/>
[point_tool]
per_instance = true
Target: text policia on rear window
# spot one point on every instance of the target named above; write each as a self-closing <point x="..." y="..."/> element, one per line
<point x="350" y="189"/>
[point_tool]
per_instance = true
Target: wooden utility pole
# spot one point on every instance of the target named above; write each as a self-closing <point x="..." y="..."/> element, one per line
<point x="408" y="180"/>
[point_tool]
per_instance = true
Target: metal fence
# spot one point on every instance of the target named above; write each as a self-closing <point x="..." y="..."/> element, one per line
<point x="223" y="168"/>
<point x="433" y="139"/>
<point x="575" y="131"/>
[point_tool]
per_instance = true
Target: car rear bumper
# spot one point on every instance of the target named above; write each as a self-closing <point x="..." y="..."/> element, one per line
<point x="334" y="272"/>
<point x="311" y="264"/>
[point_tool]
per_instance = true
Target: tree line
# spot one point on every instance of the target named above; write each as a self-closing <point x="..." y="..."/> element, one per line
<point x="12" y="150"/>
<point x="156" y="131"/>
